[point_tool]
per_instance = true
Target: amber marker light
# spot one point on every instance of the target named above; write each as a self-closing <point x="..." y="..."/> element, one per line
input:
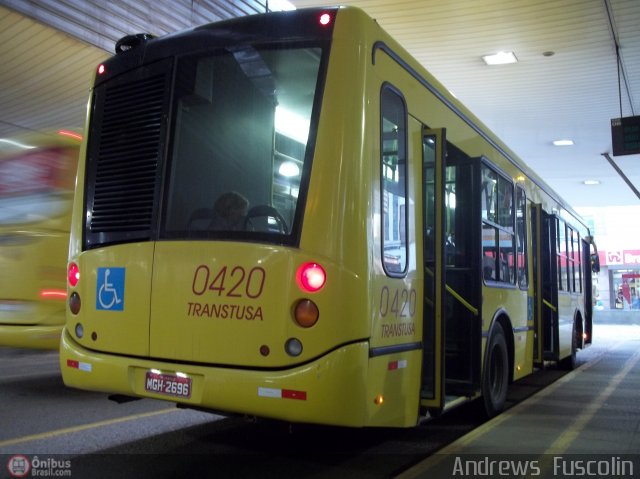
<point x="379" y="399"/>
<point x="75" y="303"/>
<point x="306" y="313"/>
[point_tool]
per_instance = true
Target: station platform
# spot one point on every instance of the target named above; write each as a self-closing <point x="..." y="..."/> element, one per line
<point x="587" y="423"/>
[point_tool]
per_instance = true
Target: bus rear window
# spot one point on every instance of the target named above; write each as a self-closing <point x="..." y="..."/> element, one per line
<point x="242" y="119"/>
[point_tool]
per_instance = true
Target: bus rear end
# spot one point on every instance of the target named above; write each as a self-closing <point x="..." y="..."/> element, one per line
<point x="199" y="271"/>
<point x="37" y="174"/>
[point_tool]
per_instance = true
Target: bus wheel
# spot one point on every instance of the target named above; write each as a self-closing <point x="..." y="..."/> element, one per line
<point x="569" y="363"/>
<point x="495" y="378"/>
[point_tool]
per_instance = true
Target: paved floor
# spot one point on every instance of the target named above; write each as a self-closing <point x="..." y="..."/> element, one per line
<point x="585" y="424"/>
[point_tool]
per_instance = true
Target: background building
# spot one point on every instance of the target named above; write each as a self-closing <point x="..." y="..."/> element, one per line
<point x="617" y="234"/>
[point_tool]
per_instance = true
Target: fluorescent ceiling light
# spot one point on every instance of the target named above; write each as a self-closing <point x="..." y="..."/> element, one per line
<point x="562" y="142"/>
<point x="500" y="58"/>
<point x="276" y="5"/>
<point x="591" y="182"/>
<point x="289" y="169"/>
<point x="16" y="144"/>
<point x="292" y="125"/>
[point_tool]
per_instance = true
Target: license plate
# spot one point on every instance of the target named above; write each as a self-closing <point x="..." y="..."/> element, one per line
<point x="167" y="384"/>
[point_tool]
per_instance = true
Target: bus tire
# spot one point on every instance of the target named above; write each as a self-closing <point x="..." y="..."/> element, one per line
<point x="495" y="377"/>
<point x="569" y="363"/>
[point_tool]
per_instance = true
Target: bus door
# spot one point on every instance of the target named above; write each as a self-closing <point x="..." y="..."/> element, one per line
<point x="452" y="325"/>
<point x="433" y="158"/>
<point x="462" y="295"/>
<point x="545" y="285"/>
<point x="588" y="291"/>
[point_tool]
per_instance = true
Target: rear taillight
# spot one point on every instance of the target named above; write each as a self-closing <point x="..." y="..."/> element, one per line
<point x="73" y="275"/>
<point x="311" y="277"/>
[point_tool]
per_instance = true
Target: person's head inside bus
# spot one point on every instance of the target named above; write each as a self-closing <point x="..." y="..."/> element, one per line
<point x="231" y="210"/>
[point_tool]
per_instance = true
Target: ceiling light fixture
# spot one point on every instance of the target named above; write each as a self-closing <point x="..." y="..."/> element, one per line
<point x="16" y="144"/>
<point x="500" y="58"/>
<point x="279" y="5"/>
<point x="562" y="142"/>
<point x="591" y="182"/>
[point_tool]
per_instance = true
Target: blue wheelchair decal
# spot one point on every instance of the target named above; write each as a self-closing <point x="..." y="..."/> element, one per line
<point x="110" y="289"/>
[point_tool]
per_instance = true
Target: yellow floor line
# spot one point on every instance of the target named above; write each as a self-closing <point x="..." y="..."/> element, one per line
<point x="83" y="427"/>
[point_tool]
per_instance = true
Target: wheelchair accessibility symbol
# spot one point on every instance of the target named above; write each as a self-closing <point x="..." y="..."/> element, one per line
<point x="110" y="289"/>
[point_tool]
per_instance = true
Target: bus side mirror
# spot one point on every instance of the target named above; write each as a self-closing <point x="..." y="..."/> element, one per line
<point x="595" y="263"/>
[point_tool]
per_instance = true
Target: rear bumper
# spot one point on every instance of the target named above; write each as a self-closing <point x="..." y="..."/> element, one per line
<point x="34" y="337"/>
<point x="329" y="390"/>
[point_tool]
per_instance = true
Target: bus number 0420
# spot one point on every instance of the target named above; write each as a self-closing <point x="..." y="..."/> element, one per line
<point x="400" y="303"/>
<point x="233" y="282"/>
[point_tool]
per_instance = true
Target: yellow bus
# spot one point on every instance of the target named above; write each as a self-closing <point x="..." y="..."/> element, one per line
<point x="37" y="175"/>
<point x="285" y="216"/>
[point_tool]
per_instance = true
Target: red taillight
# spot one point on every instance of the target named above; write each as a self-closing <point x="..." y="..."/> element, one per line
<point x="311" y="277"/>
<point x="101" y="69"/>
<point x="73" y="275"/>
<point x="70" y="134"/>
<point x="53" y="294"/>
<point x="324" y="19"/>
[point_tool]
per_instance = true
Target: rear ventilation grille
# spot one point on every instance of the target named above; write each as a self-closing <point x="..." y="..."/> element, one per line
<point x="126" y="157"/>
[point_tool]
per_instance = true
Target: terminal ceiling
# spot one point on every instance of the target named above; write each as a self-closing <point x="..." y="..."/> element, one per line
<point x="51" y="47"/>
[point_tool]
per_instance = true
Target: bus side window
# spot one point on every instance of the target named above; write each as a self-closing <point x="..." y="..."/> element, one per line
<point x="393" y="174"/>
<point x="561" y="254"/>
<point x="498" y="232"/>
<point x="521" y="237"/>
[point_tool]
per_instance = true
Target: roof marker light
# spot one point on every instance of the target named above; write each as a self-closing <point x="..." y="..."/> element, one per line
<point x="324" y="19"/>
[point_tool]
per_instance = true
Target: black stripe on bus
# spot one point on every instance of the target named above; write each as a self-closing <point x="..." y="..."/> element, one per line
<point x="396" y="348"/>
